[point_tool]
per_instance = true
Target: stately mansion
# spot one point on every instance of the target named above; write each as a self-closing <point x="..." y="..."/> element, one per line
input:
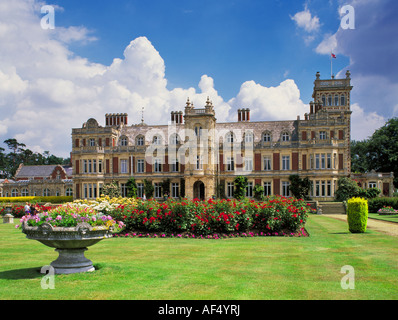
<point x="198" y="157"/>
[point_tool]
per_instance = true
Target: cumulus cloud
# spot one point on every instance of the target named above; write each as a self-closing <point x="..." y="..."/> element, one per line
<point x="364" y="124"/>
<point x="46" y="90"/>
<point x="274" y="103"/>
<point x="372" y="53"/>
<point x="305" y="20"/>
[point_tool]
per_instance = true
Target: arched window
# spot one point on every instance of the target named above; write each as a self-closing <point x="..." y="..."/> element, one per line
<point x="336" y="99"/>
<point x="157" y="140"/>
<point x="230" y="137"/>
<point x="174" y="139"/>
<point x="266" y="137"/>
<point x="249" y="137"/>
<point x="14" y="193"/>
<point x="198" y="131"/>
<point x="324" y="100"/>
<point x="140" y="141"/>
<point x="330" y="100"/>
<point x="24" y="192"/>
<point x="285" y="136"/>
<point x="69" y="192"/>
<point x="123" y="141"/>
<point x="46" y="192"/>
<point x="342" y="100"/>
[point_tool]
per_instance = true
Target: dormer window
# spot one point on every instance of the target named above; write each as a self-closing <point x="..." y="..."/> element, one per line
<point x="156" y="140"/>
<point x="285" y="136"/>
<point x="123" y="142"/>
<point x="140" y="141"/>
<point x="266" y="137"/>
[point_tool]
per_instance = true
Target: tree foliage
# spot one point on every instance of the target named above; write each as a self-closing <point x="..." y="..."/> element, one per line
<point x="379" y="152"/>
<point x="240" y="187"/>
<point x="300" y="188"/>
<point x="18" y="153"/>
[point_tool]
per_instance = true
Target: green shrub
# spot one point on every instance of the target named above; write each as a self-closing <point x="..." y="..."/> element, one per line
<point x="377" y="203"/>
<point x="357" y="215"/>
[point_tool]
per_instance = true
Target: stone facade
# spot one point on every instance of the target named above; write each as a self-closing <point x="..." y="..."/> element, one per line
<point x="199" y="156"/>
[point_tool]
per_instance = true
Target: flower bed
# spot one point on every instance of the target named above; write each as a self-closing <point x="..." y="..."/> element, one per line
<point x="275" y="216"/>
<point x="387" y="211"/>
<point x="18" y="211"/>
<point x="70" y="215"/>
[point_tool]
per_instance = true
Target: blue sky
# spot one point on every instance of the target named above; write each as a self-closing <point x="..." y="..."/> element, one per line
<point x="231" y="41"/>
<point x="119" y="56"/>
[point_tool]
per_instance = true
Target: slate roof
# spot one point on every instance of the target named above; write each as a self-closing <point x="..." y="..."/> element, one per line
<point x="35" y="171"/>
<point x="40" y="171"/>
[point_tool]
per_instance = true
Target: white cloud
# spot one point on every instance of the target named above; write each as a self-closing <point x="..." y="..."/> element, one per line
<point x="328" y="45"/>
<point x="275" y="103"/>
<point x="45" y="90"/>
<point x="364" y="124"/>
<point x="305" y="20"/>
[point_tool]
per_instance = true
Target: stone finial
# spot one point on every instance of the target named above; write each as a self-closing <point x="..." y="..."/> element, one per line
<point x="348" y="74"/>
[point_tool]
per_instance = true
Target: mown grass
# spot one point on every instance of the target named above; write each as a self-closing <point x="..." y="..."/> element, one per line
<point x="228" y="269"/>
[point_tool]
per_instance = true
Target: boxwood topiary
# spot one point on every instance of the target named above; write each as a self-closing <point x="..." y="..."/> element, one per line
<point x="357" y="215"/>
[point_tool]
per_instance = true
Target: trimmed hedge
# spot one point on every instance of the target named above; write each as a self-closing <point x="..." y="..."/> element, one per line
<point x="377" y="203"/>
<point x="357" y="215"/>
<point x="61" y="199"/>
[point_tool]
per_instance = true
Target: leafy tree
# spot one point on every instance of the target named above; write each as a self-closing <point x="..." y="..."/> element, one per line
<point x="347" y="188"/>
<point x="111" y="189"/>
<point x="131" y="188"/>
<point x="240" y="187"/>
<point x="300" y="188"/>
<point x="258" y="192"/>
<point x="379" y="152"/>
<point x="148" y="189"/>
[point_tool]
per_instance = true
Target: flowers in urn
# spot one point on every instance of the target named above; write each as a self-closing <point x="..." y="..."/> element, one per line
<point x="70" y="215"/>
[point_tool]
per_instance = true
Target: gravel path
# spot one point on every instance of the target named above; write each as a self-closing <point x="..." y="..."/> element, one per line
<point x="389" y="228"/>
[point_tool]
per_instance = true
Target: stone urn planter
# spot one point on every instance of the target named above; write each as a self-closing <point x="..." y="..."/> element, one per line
<point x="70" y="229"/>
<point x="70" y="243"/>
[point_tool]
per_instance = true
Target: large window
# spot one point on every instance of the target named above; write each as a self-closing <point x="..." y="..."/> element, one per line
<point x="175" y="190"/>
<point x="248" y="164"/>
<point x="174" y="165"/>
<point x="140" y="190"/>
<point x="285" y="188"/>
<point x="230" y="164"/>
<point x="158" y="165"/>
<point x="230" y="189"/>
<point x="285" y="162"/>
<point x="267" y="188"/>
<point x="123" y="166"/>
<point x="267" y="163"/>
<point x="140" y="166"/>
<point x="158" y="190"/>
<point x="249" y="190"/>
<point x="322" y="135"/>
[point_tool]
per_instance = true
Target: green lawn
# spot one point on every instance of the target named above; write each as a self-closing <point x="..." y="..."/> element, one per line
<point x="390" y="218"/>
<point x="255" y="268"/>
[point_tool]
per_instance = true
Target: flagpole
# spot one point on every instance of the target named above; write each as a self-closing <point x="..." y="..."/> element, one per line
<point x="331" y="65"/>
